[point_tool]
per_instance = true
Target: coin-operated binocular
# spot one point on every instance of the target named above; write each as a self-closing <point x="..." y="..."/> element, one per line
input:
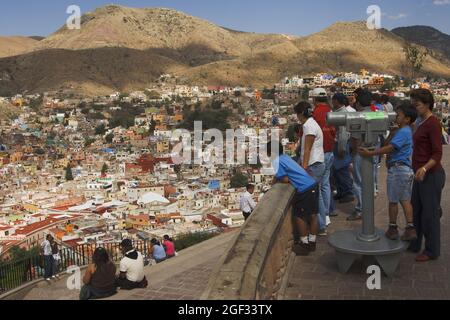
<point x="366" y="126"/>
<point x="372" y="242"/>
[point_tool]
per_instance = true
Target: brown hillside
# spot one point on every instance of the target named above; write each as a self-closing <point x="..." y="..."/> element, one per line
<point x="11" y="46"/>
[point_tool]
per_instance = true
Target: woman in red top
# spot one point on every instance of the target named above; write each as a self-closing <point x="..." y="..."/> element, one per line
<point x="429" y="177"/>
<point x="169" y="246"/>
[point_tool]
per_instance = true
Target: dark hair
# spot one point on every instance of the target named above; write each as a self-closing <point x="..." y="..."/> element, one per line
<point x="358" y="91"/>
<point x="167" y="238"/>
<point x="364" y="98"/>
<point x="423" y="95"/>
<point x="340" y="98"/>
<point x="154" y="242"/>
<point x="377" y="98"/>
<point x="408" y="110"/>
<point x="269" y="148"/>
<point x="385" y="99"/>
<point x="302" y="108"/>
<point x="249" y="186"/>
<point x="127" y="244"/>
<point x="100" y="257"/>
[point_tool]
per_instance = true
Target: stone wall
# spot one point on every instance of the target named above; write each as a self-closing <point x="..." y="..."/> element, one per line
<point x="254" y="264"/>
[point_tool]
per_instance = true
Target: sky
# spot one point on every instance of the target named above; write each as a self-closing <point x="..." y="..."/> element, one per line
<point x="295" y="17"/>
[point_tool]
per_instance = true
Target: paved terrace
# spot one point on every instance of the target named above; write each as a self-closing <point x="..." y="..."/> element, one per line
<point x="257" y="263"/>
<point x="316" y="276"/>
<point x="182" y="278"/>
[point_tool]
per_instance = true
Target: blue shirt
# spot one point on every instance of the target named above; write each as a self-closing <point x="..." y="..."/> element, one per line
<point x="403" y="146"/>
<point x="298" y="177"/>
<point x="158" y="252"/>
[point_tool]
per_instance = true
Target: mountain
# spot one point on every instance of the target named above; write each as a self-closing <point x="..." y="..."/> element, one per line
<point x="426" y="36"/>
<point x="11" y="46"/>
<point x="170" y="31"/>
<point x="119" y="48"/>
<point x="344" y="46"/>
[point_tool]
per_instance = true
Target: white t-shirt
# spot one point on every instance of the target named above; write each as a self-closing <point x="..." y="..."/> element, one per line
<point x="46" y="246"/>
<point x="134" y="268"/>
<point x="312" y="128"/>
<point x="247" y="204"/>
<point x="350" y="109"/>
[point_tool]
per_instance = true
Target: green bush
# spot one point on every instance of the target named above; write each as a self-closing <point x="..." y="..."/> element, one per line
<point x="187" y="240"/>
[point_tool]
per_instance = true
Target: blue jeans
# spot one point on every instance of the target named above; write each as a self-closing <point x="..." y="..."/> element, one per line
<point x="344" y="181"/>
<point x="399" y="184"/>
<point x="357" y="182"/>
<point x="325" y="186"/>
<point x="317" y="171"/>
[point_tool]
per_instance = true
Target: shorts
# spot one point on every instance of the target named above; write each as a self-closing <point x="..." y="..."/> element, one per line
<point x="306" y="204"/>
<point x="399" y="184"/>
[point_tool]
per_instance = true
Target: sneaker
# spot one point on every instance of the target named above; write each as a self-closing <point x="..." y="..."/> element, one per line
<point x="347" y="199"/>
<point x="392" y="233"/>
<point x="322" y="233"/>
<point x="301" y="249"/>
<point x="312" y="246"/>
<point x="328" y="221"/>
<point x="410" y="234"/>
<point x="53" y="277"/>
<point x="337" y="197"/>
<point x="48" y="279"/>
<point x="355" y="216"/>
<point x="334" y="214"/>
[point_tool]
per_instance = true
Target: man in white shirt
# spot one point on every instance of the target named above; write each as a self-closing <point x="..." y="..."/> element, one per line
<point x="247" y="203"/>
<point x="312" y="157"/>
<point x="131" y="268"/>
<point x="46" y="249"/>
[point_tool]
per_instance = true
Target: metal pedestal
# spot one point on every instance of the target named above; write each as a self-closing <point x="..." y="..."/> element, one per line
<point x="352" y="245"/>
<point x="350" y="248"/>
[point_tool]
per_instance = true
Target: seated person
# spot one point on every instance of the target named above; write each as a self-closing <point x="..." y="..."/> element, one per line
<point x="131" y="268"/>
<point x="157" y="251"/>
<point x="169" y="246"/>
<point x="100" y="277"/>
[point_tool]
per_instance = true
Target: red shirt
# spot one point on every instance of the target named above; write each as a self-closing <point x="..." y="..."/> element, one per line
<point x="329" y="132"/>
<point x="428" y="144"/>
<point x="170" y="248"/>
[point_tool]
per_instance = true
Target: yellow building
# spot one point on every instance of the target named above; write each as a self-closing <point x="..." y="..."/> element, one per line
<point x="31" y="207"/>
<point x="162" y="146"/>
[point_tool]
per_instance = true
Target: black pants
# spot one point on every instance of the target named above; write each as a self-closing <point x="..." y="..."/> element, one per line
<point x="426" y="202"/>
<point x="126" y="284"/>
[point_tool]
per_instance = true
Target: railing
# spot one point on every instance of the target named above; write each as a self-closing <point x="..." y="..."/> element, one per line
<point x="255" y="263"/>
<point x="17" y="273"/>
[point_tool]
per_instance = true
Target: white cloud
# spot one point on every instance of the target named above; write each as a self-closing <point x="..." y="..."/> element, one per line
<point x="396" y="17"/>
<point x="441" y="2"/>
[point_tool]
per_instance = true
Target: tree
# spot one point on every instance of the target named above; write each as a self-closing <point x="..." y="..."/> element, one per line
<point x="100" y="130"/>
<point x="305" y="93"/>
<point x="69" y="174"/>
<point x="104" y="169"/>
<point x="88" y="142"/>
<point x="109" y="138"/>
<point x="291" y="132"/>
<point x="238" y="180"/>
<point x="415" y="57"/>
<point x="35" y="104"/>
